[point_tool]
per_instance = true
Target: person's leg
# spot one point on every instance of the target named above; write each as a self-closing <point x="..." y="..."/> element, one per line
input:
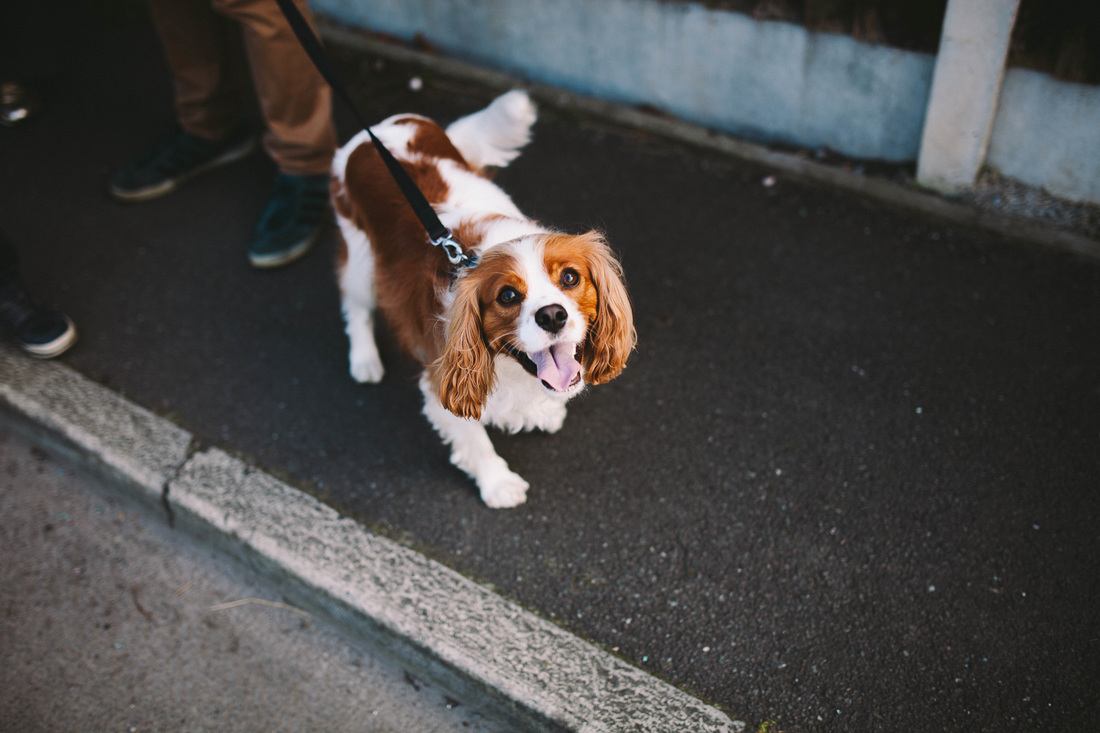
<point x="295" y="101"/>
<point x="39" y="331"/>
<point x="296" y="104"/>
<point x="204" y="53"/>
<point x="9" y="265"/>
<point x="203" y="49"/>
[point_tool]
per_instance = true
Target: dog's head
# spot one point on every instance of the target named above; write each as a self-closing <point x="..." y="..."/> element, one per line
<point x="553" y="302"/>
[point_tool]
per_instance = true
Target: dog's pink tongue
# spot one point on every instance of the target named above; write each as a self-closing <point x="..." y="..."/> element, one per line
<point x="557" y="366"/>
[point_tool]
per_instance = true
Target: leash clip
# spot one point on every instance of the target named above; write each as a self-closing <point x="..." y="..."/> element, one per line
<point x="454" y="251"/>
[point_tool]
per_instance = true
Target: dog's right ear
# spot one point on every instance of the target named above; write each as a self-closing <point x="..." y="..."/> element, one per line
<point x="463" y="375"/>
<point x="611" y="336"/>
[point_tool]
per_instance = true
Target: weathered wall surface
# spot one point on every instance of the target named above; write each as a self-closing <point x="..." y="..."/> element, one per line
<point x="773" y="82"/>
<point x="767" y="81"/>
<point x="1047" y="134"/>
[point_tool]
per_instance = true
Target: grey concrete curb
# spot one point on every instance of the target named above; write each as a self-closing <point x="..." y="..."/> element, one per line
<point x="802" y="169"/>
<point x="497" y="657"/>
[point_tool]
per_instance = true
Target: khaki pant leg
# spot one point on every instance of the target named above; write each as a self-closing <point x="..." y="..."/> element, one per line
<point x="295" y="101"/>
<point x="203" y="50"/>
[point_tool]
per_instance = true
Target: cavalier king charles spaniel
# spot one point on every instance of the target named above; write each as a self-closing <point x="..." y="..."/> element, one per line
<point x="506" y="342"/>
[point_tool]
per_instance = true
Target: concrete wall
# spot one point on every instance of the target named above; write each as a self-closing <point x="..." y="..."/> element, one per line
<point x="766" y="81"/>
<point x="771" y="82"/>
<point x="1047" y="134"/>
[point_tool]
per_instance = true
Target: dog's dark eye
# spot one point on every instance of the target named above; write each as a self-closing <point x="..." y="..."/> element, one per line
<point x="569" y="278"/>
<point x="508" y="296"/>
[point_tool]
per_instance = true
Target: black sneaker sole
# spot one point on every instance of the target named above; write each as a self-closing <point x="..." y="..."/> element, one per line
<point x="167" y="186"/>
<point x="286" y="256"/>
<point x="57" y="347"/>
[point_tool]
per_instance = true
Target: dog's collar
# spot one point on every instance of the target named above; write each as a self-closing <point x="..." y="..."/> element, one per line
<point x="462" y="259"/>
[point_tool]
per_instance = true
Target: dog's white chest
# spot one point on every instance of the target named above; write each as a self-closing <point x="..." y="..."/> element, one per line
<point x="518" y="402"/>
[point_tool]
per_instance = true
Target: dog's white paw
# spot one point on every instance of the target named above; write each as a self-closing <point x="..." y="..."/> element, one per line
<point x="502" y="489"/>
<point x="366" y="367"/>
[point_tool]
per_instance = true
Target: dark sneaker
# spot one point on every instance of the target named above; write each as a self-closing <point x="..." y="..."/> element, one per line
<point x="175" y="159"/>
<point x="38" y="331"/>
<point x="293" y="217"/>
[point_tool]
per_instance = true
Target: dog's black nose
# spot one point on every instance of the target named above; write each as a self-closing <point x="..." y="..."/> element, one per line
<point x="551" y="317"/>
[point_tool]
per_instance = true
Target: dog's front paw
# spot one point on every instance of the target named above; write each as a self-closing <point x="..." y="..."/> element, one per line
<point x="366" y="367"/>
<point x="502" y="488"/>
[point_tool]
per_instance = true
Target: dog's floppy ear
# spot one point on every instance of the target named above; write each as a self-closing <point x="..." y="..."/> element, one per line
<point x="463" y="375"/>
<point x="611" y="336"/>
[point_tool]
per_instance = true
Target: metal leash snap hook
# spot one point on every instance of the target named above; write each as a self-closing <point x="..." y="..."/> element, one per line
<point x="454" y="251"/>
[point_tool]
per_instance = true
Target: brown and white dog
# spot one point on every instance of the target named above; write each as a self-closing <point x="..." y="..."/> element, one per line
<point x="507" y="342"/>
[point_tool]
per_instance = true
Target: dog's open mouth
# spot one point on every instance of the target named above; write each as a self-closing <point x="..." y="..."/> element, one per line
<point x="557" y="367"/>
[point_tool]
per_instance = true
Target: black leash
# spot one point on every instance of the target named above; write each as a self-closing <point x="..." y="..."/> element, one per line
<point x="439" y="235"/>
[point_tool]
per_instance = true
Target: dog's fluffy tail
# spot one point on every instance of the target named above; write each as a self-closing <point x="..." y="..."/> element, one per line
<point x="495" y="135"/>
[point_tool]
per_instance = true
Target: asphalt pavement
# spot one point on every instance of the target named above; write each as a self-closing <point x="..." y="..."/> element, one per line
<point x="848" y="481"/>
